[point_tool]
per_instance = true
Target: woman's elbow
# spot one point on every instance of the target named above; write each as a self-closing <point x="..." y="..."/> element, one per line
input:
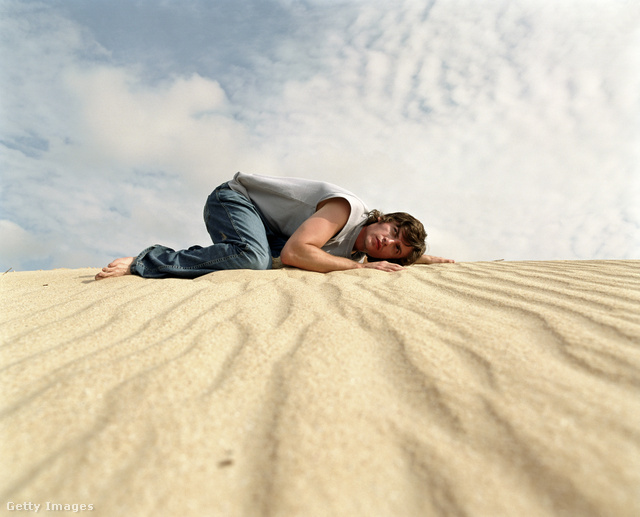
<point x="288" y="256"/>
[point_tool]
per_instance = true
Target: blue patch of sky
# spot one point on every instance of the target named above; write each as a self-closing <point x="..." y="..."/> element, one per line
<point x="214" y="39"/>
<point x="153" y="179"/>
<point x="27" y="264"/>
<point x="122" y="208"/>
<point x="31" y="145"/>
<point x="426" y="12"/>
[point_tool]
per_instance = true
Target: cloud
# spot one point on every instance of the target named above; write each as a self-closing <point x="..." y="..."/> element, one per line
<point x="505" y="120"/>
<point x="91" y="150"/>
<point x="184" y="127"/>
<point x="512" y="126"/>
<point x="20" y="249"/>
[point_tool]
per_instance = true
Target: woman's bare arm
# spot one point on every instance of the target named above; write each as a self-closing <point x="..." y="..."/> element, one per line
<point x="304" y="247"/>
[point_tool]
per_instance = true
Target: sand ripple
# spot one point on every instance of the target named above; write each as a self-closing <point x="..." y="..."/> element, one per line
<point x="481" y="389"/>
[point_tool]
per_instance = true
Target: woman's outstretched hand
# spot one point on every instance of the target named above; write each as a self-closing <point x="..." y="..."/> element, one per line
<point x="430" y="259"/>
<point x="383" y="265"/>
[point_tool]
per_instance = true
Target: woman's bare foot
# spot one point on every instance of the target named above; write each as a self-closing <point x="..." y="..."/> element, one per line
<point x="119" y="267"/>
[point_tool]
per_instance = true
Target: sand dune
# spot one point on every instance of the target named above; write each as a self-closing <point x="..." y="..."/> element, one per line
<point x="480" y="389"/>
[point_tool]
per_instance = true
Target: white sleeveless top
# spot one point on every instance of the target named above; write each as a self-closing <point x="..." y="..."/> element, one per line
<point x="287" y="202"/>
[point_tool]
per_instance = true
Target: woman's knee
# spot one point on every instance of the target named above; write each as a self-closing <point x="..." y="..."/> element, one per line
<point x="257" y="258"/>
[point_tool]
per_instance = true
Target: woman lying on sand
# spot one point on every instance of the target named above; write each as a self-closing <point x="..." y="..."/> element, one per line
<point x="309" y="224"/>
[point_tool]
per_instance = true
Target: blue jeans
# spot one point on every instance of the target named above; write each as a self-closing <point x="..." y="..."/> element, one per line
<point x="242" y="239"/>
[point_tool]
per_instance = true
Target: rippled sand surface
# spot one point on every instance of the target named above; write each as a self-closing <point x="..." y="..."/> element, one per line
<point x="480" y="389"/>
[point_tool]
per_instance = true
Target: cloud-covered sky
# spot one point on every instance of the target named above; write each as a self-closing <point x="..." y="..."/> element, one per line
<point x="511" y="128"/>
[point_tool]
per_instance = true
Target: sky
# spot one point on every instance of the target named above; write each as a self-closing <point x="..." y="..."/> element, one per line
<point x="510" y="128"/>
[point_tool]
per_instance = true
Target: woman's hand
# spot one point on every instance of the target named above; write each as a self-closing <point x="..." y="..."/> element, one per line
<point x="383" y="265"/>
<point x="430" y="259"/>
